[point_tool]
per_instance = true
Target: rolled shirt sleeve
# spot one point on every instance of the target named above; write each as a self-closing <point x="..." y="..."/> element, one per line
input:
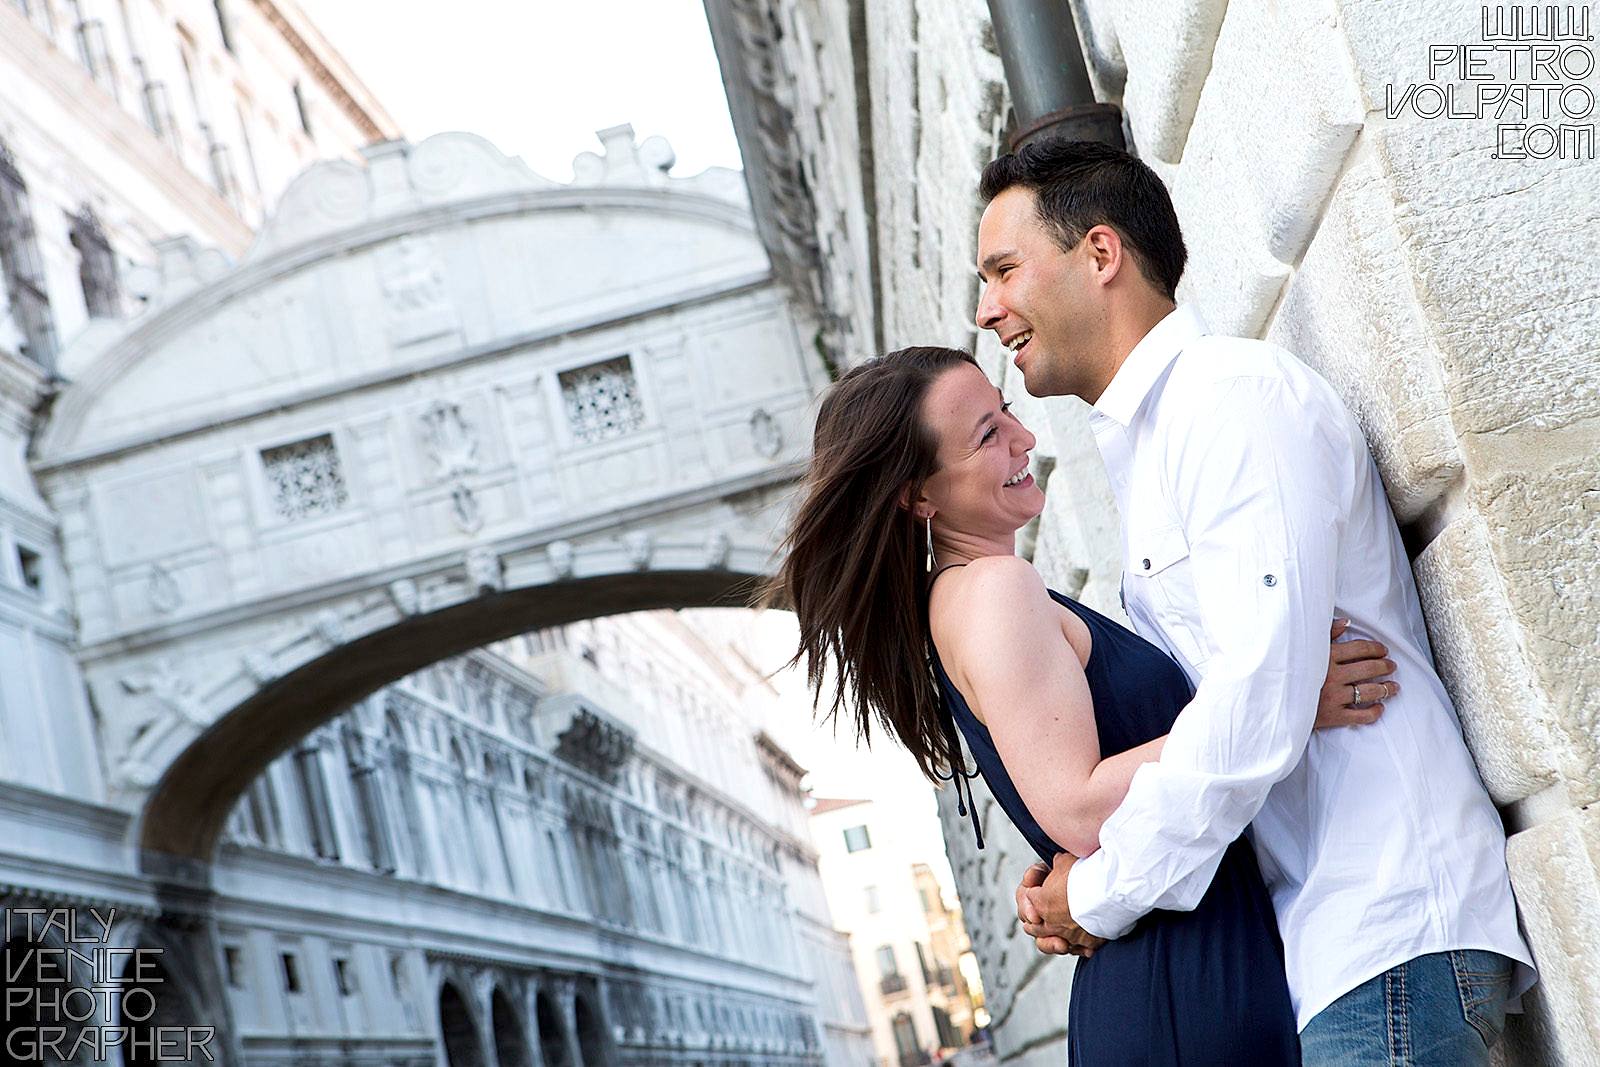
<point x="1255" y="474"/>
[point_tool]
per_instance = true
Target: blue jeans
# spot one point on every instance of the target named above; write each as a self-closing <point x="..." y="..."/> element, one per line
<point x="1440" y="1010"/>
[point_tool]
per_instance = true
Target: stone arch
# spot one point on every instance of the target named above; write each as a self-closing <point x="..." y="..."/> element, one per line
<point x="552" y="1031"/>
<point x="154" y="983"/>
<point x="591" y="1032"/>
<point x="457" y="1028"/>
<point x="510" y="1035"/>
<point x="183" y="818"/>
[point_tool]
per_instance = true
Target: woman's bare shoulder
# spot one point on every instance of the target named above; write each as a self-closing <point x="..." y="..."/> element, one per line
<point x="987" y="597"/>
<point x="992" y="583"/>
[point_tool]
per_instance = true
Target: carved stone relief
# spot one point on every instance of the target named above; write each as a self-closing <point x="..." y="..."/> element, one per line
<point x="452" y="444"/>
<point x="412" y="280"/>
<point x="165" y="596"/>
<point x="765" y="434"/>
<point x="485" y="572"/>
<point x="403" y="592"/>
<point x="640" y="546"/>
<point x="561" y="558"/>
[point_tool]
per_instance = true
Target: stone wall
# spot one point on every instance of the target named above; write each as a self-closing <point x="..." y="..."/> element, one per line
<point x="1449" y="295"/>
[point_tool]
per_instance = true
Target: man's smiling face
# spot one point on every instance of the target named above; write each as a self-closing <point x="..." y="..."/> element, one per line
<point x="1038" y="298"/>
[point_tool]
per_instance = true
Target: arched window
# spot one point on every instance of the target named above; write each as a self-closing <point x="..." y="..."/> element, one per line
<point x="510" y="1039"/>
<point x="461" y="1045"/>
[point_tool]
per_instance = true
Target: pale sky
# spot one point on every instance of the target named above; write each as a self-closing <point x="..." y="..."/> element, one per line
<point x="539" y="77"/>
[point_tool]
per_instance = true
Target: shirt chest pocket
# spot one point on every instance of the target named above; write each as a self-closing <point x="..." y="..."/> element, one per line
<point x="1160" y="588"/>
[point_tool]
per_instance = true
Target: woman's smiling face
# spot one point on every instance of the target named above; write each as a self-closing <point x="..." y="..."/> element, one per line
<point x="982" y="491"/>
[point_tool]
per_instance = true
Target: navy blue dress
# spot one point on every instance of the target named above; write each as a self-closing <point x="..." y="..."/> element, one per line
<point x="1203" y="987"/>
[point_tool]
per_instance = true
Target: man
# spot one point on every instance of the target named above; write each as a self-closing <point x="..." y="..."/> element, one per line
<point x="1251" y="513"/>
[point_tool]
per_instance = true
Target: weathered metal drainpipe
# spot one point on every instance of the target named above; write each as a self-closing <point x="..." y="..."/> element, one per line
<point x="1049" y="84"/>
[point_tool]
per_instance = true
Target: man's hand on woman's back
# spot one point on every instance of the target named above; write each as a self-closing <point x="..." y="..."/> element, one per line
<point x="1353" y="692"/>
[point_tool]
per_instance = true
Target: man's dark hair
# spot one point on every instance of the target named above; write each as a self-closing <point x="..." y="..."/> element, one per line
<point x="1082" y="184"/>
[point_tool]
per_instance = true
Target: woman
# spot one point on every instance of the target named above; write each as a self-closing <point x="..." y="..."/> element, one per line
<point x="902" y="574"/>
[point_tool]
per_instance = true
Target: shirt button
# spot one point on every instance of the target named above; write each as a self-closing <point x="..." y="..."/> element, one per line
<point x="1146" y="564"/>
<point x="1269" y="580"/>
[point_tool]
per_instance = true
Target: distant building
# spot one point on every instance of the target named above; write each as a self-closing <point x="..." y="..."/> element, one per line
<point x="531" y="846"/>
<point x="577" y="847"/>
<point x="908" y="944"/>
<point x="126" y="122"/>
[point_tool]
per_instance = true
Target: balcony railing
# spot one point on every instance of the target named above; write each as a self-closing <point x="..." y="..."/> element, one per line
<point x="891" y="984"/>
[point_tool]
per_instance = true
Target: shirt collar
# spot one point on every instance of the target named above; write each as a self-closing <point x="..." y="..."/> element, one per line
<point x="1146" y="363"/>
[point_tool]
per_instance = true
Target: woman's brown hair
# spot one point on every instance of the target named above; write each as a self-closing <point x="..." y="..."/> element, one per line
<point x="854" y="573"/>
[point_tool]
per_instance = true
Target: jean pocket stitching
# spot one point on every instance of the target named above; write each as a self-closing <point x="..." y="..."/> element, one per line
<point x="1474" y="1000"/>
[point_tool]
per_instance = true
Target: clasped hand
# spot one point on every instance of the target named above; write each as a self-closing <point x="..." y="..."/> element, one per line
<point x="1042" y="910"/>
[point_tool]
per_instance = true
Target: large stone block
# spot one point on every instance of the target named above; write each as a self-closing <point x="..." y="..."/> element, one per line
<point x="1504" y="253"/>
<point x="1555" y="870"/>
<point x="986" y="882"/>
<point x="1515" y="331"/>
<point x="1230" y="274"/>
<point x="934" y="129"/>
<point x="1261" y="144"/>
<point x="1537" y="493"/>
<point x="1167" y="45"/>
<point x="1034" y="1030"/>
<point x="1079" y="544"/>
<point x="1508" y="719"/>
<point x="1262" y="157"/>
<point x="1025" y="991"/>
<point x="1351" y="313"/>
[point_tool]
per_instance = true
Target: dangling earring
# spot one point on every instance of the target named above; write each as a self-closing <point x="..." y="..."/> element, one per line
<point x="930" y="545"/>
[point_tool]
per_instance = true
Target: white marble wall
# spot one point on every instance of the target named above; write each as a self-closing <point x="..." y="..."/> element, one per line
<point x="1449" y="296"/>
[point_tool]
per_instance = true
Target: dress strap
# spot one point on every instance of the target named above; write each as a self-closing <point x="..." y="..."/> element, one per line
<point x="967" y="807"/>
<point x="934" y="577"/>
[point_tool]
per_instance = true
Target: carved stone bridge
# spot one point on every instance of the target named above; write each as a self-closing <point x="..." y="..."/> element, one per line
<point x="442" y="400"/>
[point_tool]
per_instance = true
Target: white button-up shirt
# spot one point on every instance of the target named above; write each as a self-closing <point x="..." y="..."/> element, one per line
<point x="1252" y="515"/>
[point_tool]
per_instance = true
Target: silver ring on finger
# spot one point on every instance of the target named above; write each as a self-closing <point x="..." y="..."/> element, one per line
<point x="1355" y="695"/>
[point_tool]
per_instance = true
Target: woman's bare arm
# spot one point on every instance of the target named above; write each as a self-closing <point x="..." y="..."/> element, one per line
<point x="1026" y="684"/>
<point x="1007" y="653"/>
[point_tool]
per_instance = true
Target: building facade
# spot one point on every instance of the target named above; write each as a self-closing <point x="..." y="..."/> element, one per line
<point x="1325" y="213"/>
<point x="909" y="944"/>
<point x="520" y="854"/>
<point x="124" y="125"/>
<point x="125" y="122"/>
<point x="528" y="854"/>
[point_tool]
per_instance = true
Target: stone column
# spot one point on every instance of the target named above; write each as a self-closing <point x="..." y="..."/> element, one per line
<point x="563" y="990"/>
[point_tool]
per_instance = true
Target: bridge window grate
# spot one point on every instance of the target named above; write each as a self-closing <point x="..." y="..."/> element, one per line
<point x="305" y="478"/>
<point x="602" y="400"/>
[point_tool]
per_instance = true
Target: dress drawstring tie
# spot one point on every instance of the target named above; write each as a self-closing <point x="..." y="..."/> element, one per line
<point x="968" y="807"/>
